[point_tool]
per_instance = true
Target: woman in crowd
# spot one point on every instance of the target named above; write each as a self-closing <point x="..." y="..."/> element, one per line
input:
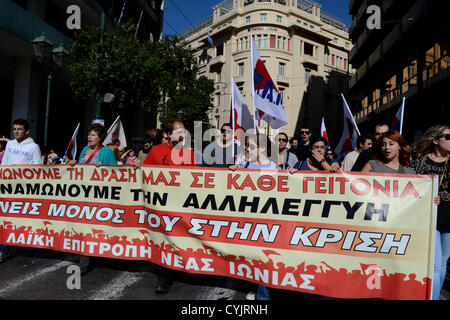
<point x="129" y="158"/>
<point x="317" y="161"/>
<point x="286" y="159"/>
<point x="117" y="153"/>
<point x="393" y="156"/>
<point x="431" y="157"/>
<point x="259" y="152"/>
<point x="95" y="152"/>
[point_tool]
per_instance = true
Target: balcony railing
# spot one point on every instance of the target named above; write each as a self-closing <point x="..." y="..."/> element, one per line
<point x="432" y="74"/>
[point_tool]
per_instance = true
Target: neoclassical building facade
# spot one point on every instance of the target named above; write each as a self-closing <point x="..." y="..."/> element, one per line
<point x="305" y="51"/>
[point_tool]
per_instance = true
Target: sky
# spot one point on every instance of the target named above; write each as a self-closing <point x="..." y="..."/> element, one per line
<point x="180" y="15"/>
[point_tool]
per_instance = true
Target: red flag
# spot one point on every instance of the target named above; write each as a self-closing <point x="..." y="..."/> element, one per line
<point x="241" y="119"/>
<point x="267" y="100"/>
<point x="350" y="134"/>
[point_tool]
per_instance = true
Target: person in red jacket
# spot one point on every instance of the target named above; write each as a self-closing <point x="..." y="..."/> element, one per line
<point x="170" y="154"/>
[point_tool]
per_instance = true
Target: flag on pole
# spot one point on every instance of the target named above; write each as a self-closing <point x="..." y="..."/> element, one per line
<point x="267" y="99"/>
<point x="398" y="121"/>
<point x="116" y="135"/>
<point x="241" y="119"/>
<point x="350" y="134"/>
<point x="210" y="40"/>
<point x="72" y="148"/>
<point x="324" y="133"/>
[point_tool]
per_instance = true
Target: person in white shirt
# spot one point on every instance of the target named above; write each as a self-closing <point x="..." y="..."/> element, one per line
<point x="22" y="150"/>
<point x="364" y="143"/>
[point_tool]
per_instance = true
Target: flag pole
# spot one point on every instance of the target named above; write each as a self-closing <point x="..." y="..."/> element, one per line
<point x="112" y="126"/>
<point x="403" y="114"/>
<point x="232" y="113"/>
<point x="350" y="112"/>
<point x="253" y="84"/>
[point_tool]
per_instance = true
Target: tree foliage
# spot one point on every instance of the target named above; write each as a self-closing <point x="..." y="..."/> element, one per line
<point x="160" y="76"/>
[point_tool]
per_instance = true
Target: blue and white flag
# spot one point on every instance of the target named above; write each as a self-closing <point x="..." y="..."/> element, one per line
<point x="267" y="100"/>
<point x="210" y="40"/>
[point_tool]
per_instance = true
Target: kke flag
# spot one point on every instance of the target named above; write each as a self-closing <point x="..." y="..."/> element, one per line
<point x="72" y="148"/>
<point x="350" y="134"/>
<point x="398" y="121"/>
<point x="241" y="118"/>
<point x="116" y="135"/>
<point x="323" y="132"/>
<point x="267" y="99"/>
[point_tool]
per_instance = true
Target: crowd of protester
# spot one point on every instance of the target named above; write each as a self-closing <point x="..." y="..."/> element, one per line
<point x="383" y="151"/>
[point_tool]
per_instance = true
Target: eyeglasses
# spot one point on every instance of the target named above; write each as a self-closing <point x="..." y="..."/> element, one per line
<point x="226" y="130"/>
<point x="445" y="136"/>
<point x="283" y="140"/>
<point x="305" y="132"/>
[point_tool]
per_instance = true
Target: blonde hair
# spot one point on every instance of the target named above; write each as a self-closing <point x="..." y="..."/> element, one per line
<point x="426" y="145"/>
<point x="116" y="151"/>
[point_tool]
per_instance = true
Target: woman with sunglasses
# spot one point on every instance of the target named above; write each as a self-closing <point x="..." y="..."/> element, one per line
<point x="286" y="159"/>
<point x="431" y="157"/>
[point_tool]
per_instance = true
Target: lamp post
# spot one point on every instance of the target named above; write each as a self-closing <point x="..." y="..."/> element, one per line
<point x="48" y="56"/>
<point x="181" y="115"/>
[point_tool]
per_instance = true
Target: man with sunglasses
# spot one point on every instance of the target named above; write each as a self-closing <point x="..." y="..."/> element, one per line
<point x="286" y="159"/>
<point x="303" y="147"/>
<point x="221" y="152"/>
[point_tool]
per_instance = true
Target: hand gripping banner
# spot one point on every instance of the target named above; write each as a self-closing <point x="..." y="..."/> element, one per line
<point x="344" y="236"/>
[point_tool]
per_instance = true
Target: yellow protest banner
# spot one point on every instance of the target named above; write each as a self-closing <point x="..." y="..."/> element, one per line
<point x="338" y="235"/>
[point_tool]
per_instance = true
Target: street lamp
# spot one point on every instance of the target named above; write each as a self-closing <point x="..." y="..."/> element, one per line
<point x="49" y="56"/>
<point x="181" y="114"/>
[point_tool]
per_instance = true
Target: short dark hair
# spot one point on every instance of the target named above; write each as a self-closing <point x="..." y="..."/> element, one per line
<point x="169" y="125"/>
<point x="226" y="125"/>
<point x="363" y="138"/>
<point x="381" y="123"/>
<point x="262" y="139"/>
<point x="99" y="129"/>
<point x="317" y="139"/>
<point x="22" y="122"/>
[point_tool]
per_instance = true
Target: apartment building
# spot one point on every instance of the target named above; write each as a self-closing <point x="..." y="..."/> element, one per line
<point x="407" y="57"/>
<point x="304" y="48"/>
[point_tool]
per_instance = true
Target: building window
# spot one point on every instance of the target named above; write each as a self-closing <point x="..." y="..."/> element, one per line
<point x="309" y="49"/>
<point x="265" y="41"/>
<point x="281" y="69"/>
<point x="279" y="19"/>
<point x="219" y="51"/>
<point x="263" y="16"/>
<point x="258" y="41"/>
<point x="307" y="76"/>
<point x="248" y="19"/>
<point x="241" y="69"/>
<point x="281" y="43"/>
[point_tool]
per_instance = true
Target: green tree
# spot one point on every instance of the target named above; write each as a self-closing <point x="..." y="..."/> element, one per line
<point x="180" y="86"/>
<point x="160" y="76"/>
